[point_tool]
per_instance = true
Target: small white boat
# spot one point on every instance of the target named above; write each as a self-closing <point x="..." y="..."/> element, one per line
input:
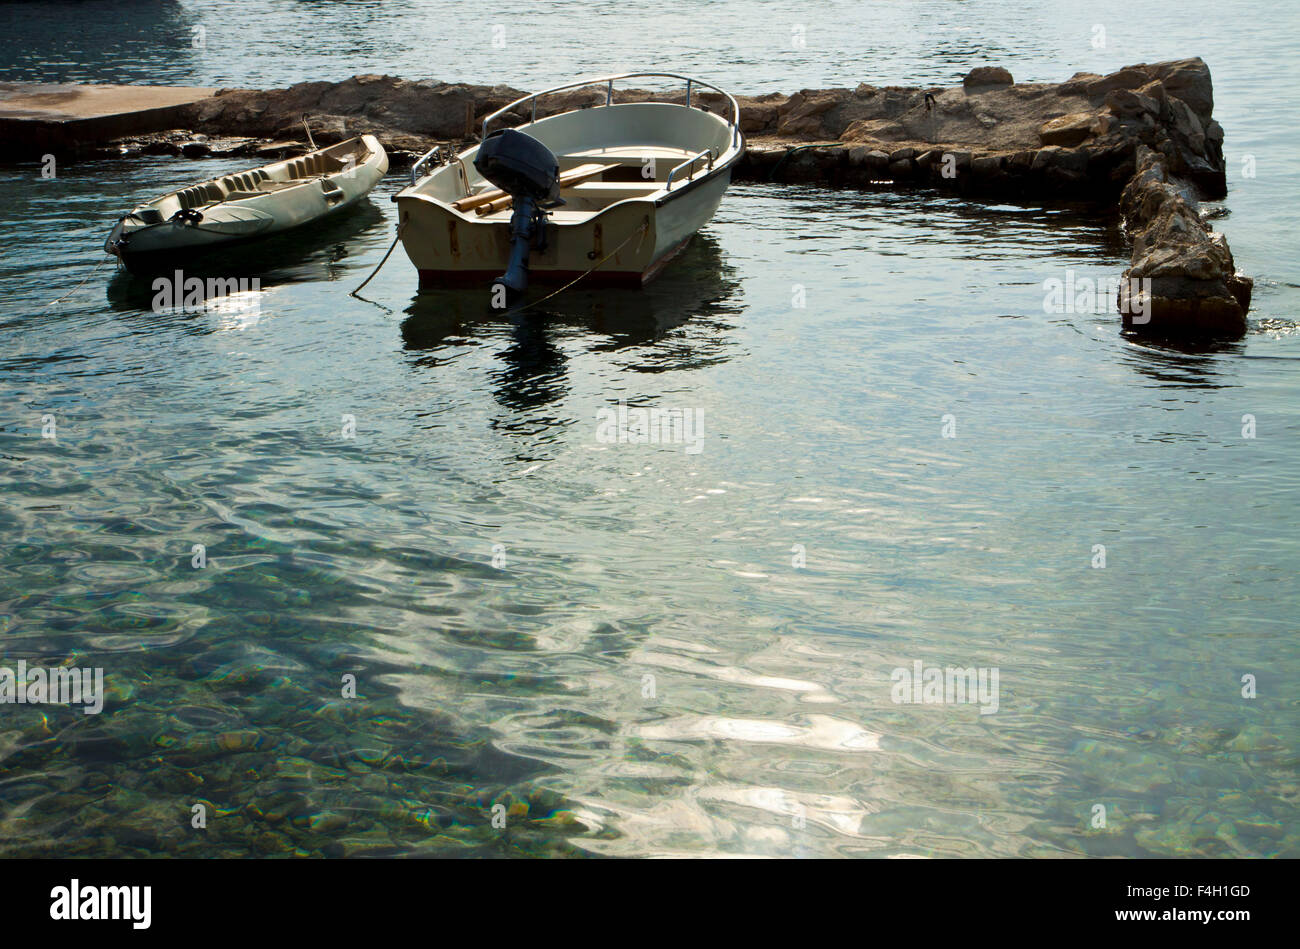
<point x="615" y="190"/>
<point x="250" y="204"/>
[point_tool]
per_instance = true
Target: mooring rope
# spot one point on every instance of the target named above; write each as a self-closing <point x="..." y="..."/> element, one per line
<point x="642" y="230"/>
<point x="78" y="286"/>
<point x="391" y="247"/>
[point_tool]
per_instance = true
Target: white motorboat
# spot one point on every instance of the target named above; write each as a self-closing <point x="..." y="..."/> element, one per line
<point x="250" y="204"/>
<point x="614" y="190"/>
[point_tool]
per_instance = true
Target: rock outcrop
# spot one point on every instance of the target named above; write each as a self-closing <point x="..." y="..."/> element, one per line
<point x="1072" y="140"/>
<point x="1183" y="281"/>
<point x="407" y="116"/>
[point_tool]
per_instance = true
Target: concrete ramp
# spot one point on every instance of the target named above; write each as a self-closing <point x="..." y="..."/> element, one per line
<point x="40" y="117"/>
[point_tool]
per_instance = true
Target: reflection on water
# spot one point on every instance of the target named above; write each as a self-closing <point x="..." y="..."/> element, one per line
<point x="1185" y="365"/>
<point x="699" y="287"/>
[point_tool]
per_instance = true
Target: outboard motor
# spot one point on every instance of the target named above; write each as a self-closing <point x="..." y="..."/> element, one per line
<point x="525" y="169"/>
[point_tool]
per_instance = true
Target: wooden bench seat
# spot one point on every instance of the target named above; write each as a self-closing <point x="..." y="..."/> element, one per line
<point x="628" y="153"/>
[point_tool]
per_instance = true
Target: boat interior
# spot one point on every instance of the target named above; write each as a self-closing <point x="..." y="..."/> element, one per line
<point x="290" y="173"/>
<point x="645" y="143"/>
<point x="593" y="179"/>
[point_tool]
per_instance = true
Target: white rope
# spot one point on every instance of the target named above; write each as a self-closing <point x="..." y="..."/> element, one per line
<point x="78" y="286"/>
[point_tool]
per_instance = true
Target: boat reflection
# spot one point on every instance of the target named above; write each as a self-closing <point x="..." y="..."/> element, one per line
<point x="698" y="294"/>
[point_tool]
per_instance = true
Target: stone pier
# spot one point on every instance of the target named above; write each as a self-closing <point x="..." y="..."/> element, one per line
<point x="41" y="117"/>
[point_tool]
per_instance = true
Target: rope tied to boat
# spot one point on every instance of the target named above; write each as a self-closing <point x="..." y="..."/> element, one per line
<point x="391" y="247"/>
<point x="642" y="230"/>
<point x="92" y="273"/>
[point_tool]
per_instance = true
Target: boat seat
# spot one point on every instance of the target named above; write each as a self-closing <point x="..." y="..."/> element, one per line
<point x="269" y="185"/>
<point x="626" y="153"/>
<point x="196" y="196"/>
<point x="612" y="189"/>
<point x="317" y="164"/>
<point x="596" y="195"/>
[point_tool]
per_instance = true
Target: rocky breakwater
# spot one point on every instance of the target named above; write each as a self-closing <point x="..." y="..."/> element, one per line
<point x="1183" y="281"/>
<point x="408" y="117"/>
<point x="1143" y="137"/>
<point x="990" y="135"/>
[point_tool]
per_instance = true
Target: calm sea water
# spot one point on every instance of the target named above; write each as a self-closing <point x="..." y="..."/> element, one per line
<point x="612" y="642"/>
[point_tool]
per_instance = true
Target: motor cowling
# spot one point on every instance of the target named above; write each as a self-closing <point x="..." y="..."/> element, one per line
<point x="519" y="165"/>
<point x="529" y="172"/>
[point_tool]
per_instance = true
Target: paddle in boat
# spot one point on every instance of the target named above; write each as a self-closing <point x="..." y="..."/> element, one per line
<point x="251" y="204"/>
<point x="614" y="190"/>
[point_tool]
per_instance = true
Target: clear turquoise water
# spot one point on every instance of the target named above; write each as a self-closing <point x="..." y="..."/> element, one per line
<point x="525" y="685"/>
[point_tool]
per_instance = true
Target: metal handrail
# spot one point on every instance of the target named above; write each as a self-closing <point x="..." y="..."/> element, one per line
<point x="609" y="96"/>
<point x="420" y="163"/>
<point x="668" y="186"/>
<point x="424" y="160"/>
<point x="609" y="100"/>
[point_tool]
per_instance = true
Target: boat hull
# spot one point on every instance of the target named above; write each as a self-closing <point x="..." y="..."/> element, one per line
<point x="627" y="244"/>
<point x="215" y="253"/>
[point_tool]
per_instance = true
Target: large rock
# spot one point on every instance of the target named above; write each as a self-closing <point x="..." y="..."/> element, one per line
<point x="1130" y="77"/>
<point x="1182" y="281"/>
<point x="984" y="76"/>
<point x="987" y="169"/>
<point x="1189" y="80"/>
<point x="801" y="115"/>
<point x="759" y="114"/>
<point x="1069" y="130"/>
<point x="1127" y="103"/>
<point x="1077" y="85"/>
